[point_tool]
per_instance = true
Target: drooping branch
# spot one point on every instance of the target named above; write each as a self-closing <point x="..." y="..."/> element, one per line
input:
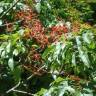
<point x="9" y="9"/>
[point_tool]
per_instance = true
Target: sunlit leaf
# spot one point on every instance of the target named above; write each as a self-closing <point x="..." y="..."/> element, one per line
<point x="15" y="52"/>
<point x="11" y="64"/>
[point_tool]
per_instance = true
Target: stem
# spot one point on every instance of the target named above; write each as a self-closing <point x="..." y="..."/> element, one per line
<point x="23" y="92"/>
<point x="41" y="68"/>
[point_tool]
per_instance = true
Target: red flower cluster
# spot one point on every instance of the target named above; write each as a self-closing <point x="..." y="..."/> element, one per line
<point x="57" y="31"/>
<point x="37" y="26"/>
<point x="37" y="32"/>
<point x="26" y="16"/>
<point x="60" y="29"/>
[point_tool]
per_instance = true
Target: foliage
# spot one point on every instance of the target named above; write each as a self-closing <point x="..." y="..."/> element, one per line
<point x="47" y="48"/>
<point x="11" y="46"/>
<point x="50" y="10"/>
<point x="71" y="52"/>
<point x="65" y="87"/>
<point x="49" y="18"/>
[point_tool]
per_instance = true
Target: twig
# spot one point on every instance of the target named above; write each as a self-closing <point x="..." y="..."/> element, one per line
<point x="23" y="92"/>
<point x="30" y="77"/>
<point x="41" y="68"/>
<point x="19" y="91"/>
<point x="34" y="74"/>
<point x="9" y="9"/>
<point x="13" y="88"/>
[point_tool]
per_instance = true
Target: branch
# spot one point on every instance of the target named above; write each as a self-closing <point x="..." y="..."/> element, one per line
<point x="30" y="77"/>
<point x="34" y="74"/>
<point x="23" y="92"/>
<point x="9" y="9"/>
<point x="19" y="91"/>
<point x="13" y="88"/>
<point x="40" y="68"/>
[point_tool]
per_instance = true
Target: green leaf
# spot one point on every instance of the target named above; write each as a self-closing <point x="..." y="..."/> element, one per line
<point x="86" y="38"/>
<point x="74" y="59"/>
<point x="38" y="7"/>
<point x="82" y="53"/>
<point x="15" y="52"/>
<point x="1" y="10"/>
<point x="1" y="49"/>
<point x="11" y="64"/>
<point x="8" y="47"/>
<point x="48" y="51"/>
<point x="0" y="22"/>
<point x="3" y="54"/>
<point x="41" y="92"/>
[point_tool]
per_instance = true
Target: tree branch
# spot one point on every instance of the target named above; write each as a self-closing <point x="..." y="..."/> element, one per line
<point x="13" y="88"/>
<point x="9" y="9"/>
<point x="23" y="92"/>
